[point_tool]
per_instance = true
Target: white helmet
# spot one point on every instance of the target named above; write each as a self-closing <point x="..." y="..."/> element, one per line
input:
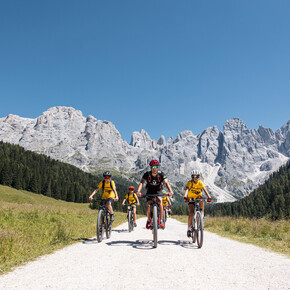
<point x="195" y="172"/>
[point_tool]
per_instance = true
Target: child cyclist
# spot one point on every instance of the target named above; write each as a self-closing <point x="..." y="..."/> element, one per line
<point x="109" y="192"/>
<point x="132" y="199"/>
<point x="193" y="190"/>
<point x="166" y="202"/>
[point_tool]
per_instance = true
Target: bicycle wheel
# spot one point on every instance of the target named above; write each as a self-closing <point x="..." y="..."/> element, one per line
<point x="130" y="224"/>
<point x="199" y="231"/>
<point x="164" y="217"/>
<point x="155" y="228"/>
<point x="100" y="225"/>
<point x="193" y="231"/>
<point x="108" y="226"/>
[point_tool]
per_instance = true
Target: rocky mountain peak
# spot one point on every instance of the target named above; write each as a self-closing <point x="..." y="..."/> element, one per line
<point x="233" y="161"/>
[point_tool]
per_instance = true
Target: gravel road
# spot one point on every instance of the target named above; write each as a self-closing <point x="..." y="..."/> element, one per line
<point x="129" y="261"/>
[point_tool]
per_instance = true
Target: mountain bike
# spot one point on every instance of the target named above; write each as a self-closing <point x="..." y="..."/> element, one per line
<point x="154" y="214"/>
<point x="165" y="207"/>
<point x="197" y="221"/>
<point x="165" y="212"/>
<point x="130" y="216"/>
<point x="104" y="220"/>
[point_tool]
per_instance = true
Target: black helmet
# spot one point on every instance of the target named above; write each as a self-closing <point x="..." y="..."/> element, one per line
<point x="107" y="173"/>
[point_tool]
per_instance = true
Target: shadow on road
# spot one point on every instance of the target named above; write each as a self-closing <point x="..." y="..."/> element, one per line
<point x="120" y="231"/>
<point x="90" y="241"/>
<point x="148" y="244"/>
<point x="187" y="244"/>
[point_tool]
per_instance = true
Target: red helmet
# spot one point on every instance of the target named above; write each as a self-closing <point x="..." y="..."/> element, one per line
<point x="154" y="162"/>
<point x="131" y="188"/>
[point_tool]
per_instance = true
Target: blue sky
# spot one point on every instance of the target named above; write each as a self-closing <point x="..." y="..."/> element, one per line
<point x="164" y="66"/>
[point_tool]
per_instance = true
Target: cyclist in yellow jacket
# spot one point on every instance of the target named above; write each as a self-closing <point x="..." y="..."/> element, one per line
<point x="166" y="202"/>
<point x="132" y="199"/>
<point x="193" y="190"/>
<point x="109" y="192"/>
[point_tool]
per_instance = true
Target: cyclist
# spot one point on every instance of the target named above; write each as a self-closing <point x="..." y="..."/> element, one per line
<point x="109" y="192"/>
<point x="193" y="189"/>
<point x="165" y="201"/>
<point x="132" y="198"/>
<point x="154" y="179"/>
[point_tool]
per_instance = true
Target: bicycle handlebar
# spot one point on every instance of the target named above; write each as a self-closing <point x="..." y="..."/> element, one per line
<point x="199" y="199"/>
<point x="154" y="195"/>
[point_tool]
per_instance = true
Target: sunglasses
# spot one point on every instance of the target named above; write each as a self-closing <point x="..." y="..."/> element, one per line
<point x="195" y="176"/>
<point x="107" y="177"/>
<point x="154" y="167"/>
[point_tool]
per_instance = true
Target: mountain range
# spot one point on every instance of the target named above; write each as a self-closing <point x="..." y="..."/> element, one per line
<point x="233" y="161"/>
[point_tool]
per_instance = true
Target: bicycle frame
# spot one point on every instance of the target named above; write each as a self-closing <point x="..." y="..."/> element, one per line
<point x="197" y="223"/>
<point x="154" y="206"/>
<point x="103" y="221"/>
<point x="130" y="216"/>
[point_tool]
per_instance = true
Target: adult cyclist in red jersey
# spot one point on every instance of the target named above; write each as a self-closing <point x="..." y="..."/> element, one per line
<point x="154" y="179"/>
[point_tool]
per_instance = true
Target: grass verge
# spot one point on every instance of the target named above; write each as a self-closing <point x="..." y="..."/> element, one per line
<point x="32" y="225"/>
<point x="271" y="235"/>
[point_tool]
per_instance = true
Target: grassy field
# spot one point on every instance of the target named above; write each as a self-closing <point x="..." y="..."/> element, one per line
<point x="32" y="225"/>
<point x="271" y="235"/>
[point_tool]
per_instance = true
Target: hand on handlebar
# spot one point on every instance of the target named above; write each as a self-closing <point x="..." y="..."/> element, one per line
<point x="186" y="199"/>
<point x="209" y="200"/>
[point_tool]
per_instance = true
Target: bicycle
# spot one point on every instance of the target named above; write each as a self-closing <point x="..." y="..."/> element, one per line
<point x="154" y="214"/>
<point x="165" y="207"/>
<point x="165" y="213"/>
<point x="104" y="221"/>
<point x="130" y="217"/>
<point x="197" y="221"/>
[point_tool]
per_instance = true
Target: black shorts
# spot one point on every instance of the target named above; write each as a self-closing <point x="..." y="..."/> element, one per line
<point x="104" y="201"/>
<point x="149" y="198"/>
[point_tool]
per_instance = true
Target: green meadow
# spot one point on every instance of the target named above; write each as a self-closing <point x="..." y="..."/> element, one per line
<point x="265" y="233"/>
<point x="32" y="225"/>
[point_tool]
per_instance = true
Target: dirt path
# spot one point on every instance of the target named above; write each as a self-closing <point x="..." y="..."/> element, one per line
<point x="129" y="261"/>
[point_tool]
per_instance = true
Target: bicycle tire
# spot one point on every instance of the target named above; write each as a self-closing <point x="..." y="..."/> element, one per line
<point x="199" y="231"/>
<point x="193" y="231"/>
<point x="108" y="226"/>
<point x="164" y="217"/>
<point x="130" y="225"/>
<point x="100" y="225"/>
<point x="155" y="226"/>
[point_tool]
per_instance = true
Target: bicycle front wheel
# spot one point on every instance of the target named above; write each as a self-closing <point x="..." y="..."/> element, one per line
<point x="108" y="226"/>
<point x="199" y="231"/>
<point x="164" y="217"/>
<point x="100" y="225"/>
<point x="155" y="227"/>
<point x="130" y="223"/>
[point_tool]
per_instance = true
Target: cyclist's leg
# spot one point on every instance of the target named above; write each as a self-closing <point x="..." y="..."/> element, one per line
<point x="160" y="207"/>
<point x="134" y="214"/>
<point x="109" y="206"/>
<point x="148" y="210"/>
<point x="191" y="213"/>
<point x="201" y="203"/>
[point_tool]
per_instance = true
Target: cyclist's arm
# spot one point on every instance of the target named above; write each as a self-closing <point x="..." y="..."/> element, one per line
<point x="123" y="203"/>
<point x="186" y="192"/>
<point x="93" y="193"/>
<point x="168" y="186"/>
<point x="140" y="187"/>
<point x="138" y="203"/>
<point x="116" y="194"/>
<point x="206" y="192"/>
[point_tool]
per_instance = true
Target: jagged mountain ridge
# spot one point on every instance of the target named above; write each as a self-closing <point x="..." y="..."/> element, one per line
<point x="233" y="161"/>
